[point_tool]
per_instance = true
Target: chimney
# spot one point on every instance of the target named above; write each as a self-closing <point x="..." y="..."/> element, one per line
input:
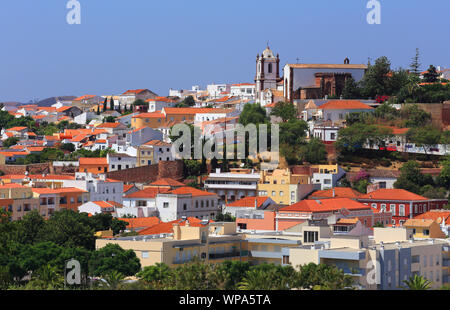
<point x="176" y="231"/>
<point x="334" y="193"/>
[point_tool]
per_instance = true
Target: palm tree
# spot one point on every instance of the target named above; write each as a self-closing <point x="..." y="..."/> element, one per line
<point x="113" y="280"/>
<point x="417" y="283"/>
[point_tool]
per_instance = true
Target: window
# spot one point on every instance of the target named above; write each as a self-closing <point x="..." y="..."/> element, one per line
<point x="165" y="205"/>
<point x="392" y="207"/>
<point x="426" y="232"/>
<point x="144" y="254"/>
<point x="184" y="207"/>
<point x="401" y="211"/>
<point x="274" y="193"/>
<point x="72" y="200"/>
<point x="281" y="193"/>
<point x="383" y="207"/>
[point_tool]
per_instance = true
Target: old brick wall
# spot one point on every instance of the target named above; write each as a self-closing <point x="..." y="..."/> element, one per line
<point x="31" y="169"/>
<point x="151" y="173"/>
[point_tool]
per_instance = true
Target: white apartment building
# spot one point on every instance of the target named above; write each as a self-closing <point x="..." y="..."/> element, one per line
<point x="100" y="188"/>
<point x="234" y="185"/>
<point x="119" y="161"/>
<point x="245" y="91"/>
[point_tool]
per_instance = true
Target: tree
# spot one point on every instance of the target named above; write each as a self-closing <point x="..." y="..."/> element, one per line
<point x="196" y="276"/>
<point x="269" y="277"/>
<point x="445" y="172"/>
<point x="70" y="147"/>
<point x="253" y="113"/>
<point x="351" y="89"/>
<point x="376" y="79"/>
<point x="109" y="119"/>
<point x="412" y="179"/>
<point x="415" y="117"/>
<point x="234" y="272"/>
<point x="352" y="138"/>
<point x="113" y="280"/>
<point x="113" y="258"/>
<point x="313" y="152"/>
<point x="10" y="142"/>
<point x="189" y="101"/>
<point x="425" y="137"/>
<point x="415" y="64"/>
<point x="98" y="110"/>
<point x="323" y="276"/>
<point x="417" y="283"/>
<point x="285" y="110"/>
<point x="111" y="104"/>
<point x="29" y="227"/>
<point x="431" y="75"/>
<point x="157" y="276"/>
<point x="68" y="228"/>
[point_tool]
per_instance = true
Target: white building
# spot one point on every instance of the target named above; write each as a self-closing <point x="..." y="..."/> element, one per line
<point x="188" y="202"/>
<point x="216" y="91"/>
<point x="328" y="178"/>
<point x="244" y="91"/>
<point x="117" y="161"/>
<point x="100" y="188"/>
<point x="234" y="185"/>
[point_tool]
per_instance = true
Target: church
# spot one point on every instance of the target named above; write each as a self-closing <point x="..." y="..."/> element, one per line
<point x="301" y="81"/>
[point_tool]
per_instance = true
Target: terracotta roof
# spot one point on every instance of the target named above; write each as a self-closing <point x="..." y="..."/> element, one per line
<point x="392" y="194"/>
<point x="167" y="228"/>
<point x="149" y="192"/>
<point x="325" y="205"/>
<point x="348" y="221"/>
<point x="126" y="187"/>
<point x="134" y="91"/>
<point x="418" y="223"/>
<point x="107" y="204"/>
<point x="62" y="109"/>
<point x="157" y="143"/>
<point x="190" y="190"/>
<point x="345" y="105"/>
<point x="194" y="110"/>
<point x="167" y="182"/>
<point x="109" y="125"/>
<point x="436" y="215"/>
<point x="13" y="185"/>
<point x="160" y="99"/>
<point x="339" y="192"/>
<point x="249" y="202"/>
<point x="156" y="114"/>
<point x="141" y="222"/>
<point x="93" y="161"/>
<point x="327" y="66"/>
<point x="16" y="129"/>
<point x="70" y="190"/>
<point x="85" y="97"/>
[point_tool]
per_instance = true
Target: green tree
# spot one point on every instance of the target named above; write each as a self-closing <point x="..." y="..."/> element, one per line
<point x="376" y="80"/>
<point x="313" y="152"/>
<point x="412" y="179"/>
<point x="323" y="276"/>
<point x="234" y="272"/>
<point x="10" y="142"/>
<point x="70" y="147"/>
<point x="269" y="277"/>
<point x="285" y="110"/>
<point x="113" y="258"/>
<point x="351" y="89"/>
<point x="415" y="64"/>
<point x="445" y="172"/>
<point x="253" y="113"/>
<point x="431" y="76"/>
<point x="157" y="276"/>
<point x="425" y="137"/>
<point x="417" y="283"/>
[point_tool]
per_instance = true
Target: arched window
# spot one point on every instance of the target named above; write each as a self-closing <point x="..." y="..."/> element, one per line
<point x="270" y="68"/>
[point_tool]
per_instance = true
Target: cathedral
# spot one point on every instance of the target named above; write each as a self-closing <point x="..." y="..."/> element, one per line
<point x="301" y="81"/>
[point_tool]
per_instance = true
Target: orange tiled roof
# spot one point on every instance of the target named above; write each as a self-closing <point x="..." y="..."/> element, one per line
<point x="156" y="114"/>
<point x="392" y="194"/>
<point x="62" y="109"/>
<point x="161" y="99"/>
<point x="149" y="192"/>
<point x="134" y="91"/>
<point x="190" y="190"/>
<point x="345" y="105"/>
<point x="93" y="161"/>
<point x="436" y="215"/>
<point x="167" y="228"/>
<point x="141" y="222"/>
<point x="325" y="205"/>
<point x="126" y="187"/>
<point x="109" y="125"/>
<point x="157" y="143"/>
<point x="249" y="202"/>
<point x="16" y="129"/>
<point x="339" y="192"/>
<point x="167" y="182"/>
<point x="85" y="97"/>
<point x="107" y="204"/>
<point x="13" y="185"/>
<point x="194" y="110"/>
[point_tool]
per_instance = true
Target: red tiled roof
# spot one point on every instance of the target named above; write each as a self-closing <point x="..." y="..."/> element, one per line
<point x="325" y="205"/>
<point x="134" y="91"/>
<point x="436" y="215"/>
<point x="141" y="222"/>
<point x="249" y="202"/>
<point x="107" y="204"/>
<point x="190" y="190"/>
<point x="167" y="228"/>
<point x="85" y="97"/>
<point x="109" y="125"/>
<point x="392" y="194"/>
<point x="194" y="110"/>
<point x="93" y="161"/>
<point x="16" y="129"/>
<point x="157" y="143"/>
<point x="345" y="105"/>
<point x="149" y="192"/>
<point x="339" y="192"/>
<point x="167" y="182"/>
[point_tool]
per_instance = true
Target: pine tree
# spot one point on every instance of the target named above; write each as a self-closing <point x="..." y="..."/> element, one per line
<point x="111" y="104"/>
<point x="415" y="64"/>
<point x="105" y="103"/>
<point x="431" y="76"/>
<point x="98" y="110"/>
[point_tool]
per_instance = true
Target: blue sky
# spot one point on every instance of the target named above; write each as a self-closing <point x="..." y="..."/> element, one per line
<point x="128" y="44"/>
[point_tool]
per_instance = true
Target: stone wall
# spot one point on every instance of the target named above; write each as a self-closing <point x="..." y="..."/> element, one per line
<point x="151" y="173"/>
<point x="31" y="169"/>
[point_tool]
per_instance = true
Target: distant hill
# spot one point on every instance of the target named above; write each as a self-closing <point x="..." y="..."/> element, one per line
<point x="52" y="100"/>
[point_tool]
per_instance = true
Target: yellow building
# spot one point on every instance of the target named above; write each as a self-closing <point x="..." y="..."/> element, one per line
<point x="424" y="228"/>
<point x="283" y="186"/>
<point x="15" y="191"/>
<point x="214" y="243"/>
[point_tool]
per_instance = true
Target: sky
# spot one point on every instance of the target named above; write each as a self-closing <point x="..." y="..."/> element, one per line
<point x="131" y="44"/>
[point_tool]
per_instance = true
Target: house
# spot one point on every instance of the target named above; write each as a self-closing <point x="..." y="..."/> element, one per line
<point x="166" y="183"/>
<point x="327" y="176"/>
<point x="93" y="165"/>
<point x="187" y="201"/>
<point x="284" y="187"/>
<point x="424" y="228"/>
<point x="98" y="207"/>
<point x="247" y="203"/>
<point x="403" y="204"/>
<point x="130" y="96"/>
<point x="99" y="186"/>
<point x="442" y="217"/>
<point x="243" y="91"/>
<point x="153" y="152"/>
<point x="126" y="119"/>
<point x="233" y="185"/>
<point x="70" y="111"/>
<point x="139" y="136"/>
<point x="183" y="240"/>
<point x="117" y="161"/>
<point x="158" y="103"/>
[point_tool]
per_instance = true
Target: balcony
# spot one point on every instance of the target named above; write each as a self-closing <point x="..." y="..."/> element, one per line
<point x="446" y="263"/>
<point x="354" y="272"/>
<point x="344" y="255"/>
<point x="266" y="254"/>
<point x="231" y="186"/>
<point x="228" y="255"/>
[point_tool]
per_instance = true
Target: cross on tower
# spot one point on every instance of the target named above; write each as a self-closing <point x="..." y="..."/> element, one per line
<point x="298" y="59"/>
